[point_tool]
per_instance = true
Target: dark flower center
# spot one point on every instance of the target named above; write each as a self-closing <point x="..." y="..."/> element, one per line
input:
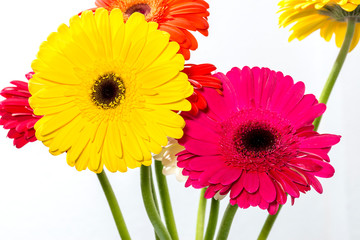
<point x="108" y="91"/>
<point x="257" y="140"/>
<point x="340" y="15"/>
<point x="142" y="8"/>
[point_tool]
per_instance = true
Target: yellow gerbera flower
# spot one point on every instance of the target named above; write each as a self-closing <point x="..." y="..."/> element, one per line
<point x="107" y="91"/>
<point x="330" y="16"/>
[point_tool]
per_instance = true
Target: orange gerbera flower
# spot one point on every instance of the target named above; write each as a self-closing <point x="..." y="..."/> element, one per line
<point x="176" y="17"/>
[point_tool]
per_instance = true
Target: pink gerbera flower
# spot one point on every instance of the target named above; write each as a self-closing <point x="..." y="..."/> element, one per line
<point x="16" y="113"/>
<point x="256" y="141"/>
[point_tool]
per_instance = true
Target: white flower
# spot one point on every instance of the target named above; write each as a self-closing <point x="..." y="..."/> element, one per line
<point x="169" y="160"/>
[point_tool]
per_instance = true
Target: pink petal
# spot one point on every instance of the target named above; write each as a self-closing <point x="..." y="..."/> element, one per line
<point x="254" y="199"/>
<point x="307" y="164"/>
<point x="314" y="182"/>
<point x="327" y="170"/>
<point x="206" y="175"/>
<point x="225" y="190"/>
<point x="268" y="89"/>
<point x="286" y="183"/>
<point x="263" y="204"/>
<point x="251" y="181"/>
<point x="243" y="200"/>
<point x="202" y="163"/>
<point x="321" y="153"/>
<point x="309" y="116"/>
<point x="267" y="188"/>
<point x="230" y="92"/>
<point x="201" y="148"/>
<point x="295" y="176"/>
<point x="283" y="86"/>
<point x="211" y="191"/>
<point x="199" y="131"/>
<point x="231" y="176"/>
<point x="217" y="177"/>
<point x="281" y="196"/>
<point x="256" y="85"/>
<point x="273" y="208"/>
<point x="237" y="187"/>
<point x="183" y="155"/>
<point x="291" y="98"/>
<point x="306" y="102"/>
<point x="239" y="81"/>
<point x="320" y="141"/>
<point x="250" y="87"/>
<point x="189" y="182"/>
<point x="216" y="103"/>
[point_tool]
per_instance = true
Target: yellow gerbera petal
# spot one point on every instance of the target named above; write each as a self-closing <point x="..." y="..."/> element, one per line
<point x="330" y="17"/>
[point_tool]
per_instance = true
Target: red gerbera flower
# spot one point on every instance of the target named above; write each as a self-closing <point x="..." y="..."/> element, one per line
<point x="256" y="141"/>
<point x="200" y="76"/>
<point x="16" y="113"/>
<point x="176" y="17"/>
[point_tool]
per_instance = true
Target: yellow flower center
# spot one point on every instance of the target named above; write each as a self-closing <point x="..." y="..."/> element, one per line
<point x="108" y="91"/>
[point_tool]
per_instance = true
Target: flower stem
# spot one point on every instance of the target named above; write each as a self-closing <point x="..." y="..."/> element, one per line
<point x="148" y="199"/>
<point x="154" y="192"/>
<point x="268" y="225"/>
<point x="155" y="199"/>
<point x="165" y="200"/>
<point x="339" y="62"/>
<point x="114" y="206"/>
<point x="213" y="218"/>
<point x="226" y="222"/>
<point x="201" y="216"/>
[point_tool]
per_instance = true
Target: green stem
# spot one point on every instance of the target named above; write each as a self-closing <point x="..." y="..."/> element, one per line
<point x="226" y="222"/>
<point x="148" y="199"/>
<point x="268" y="225"/>
<point x="201" y="216"/>
<point x="339" y="62"/>
<point x="114" y="206"/>
<point x="155" y="199"/>
<point x="165" y="200"/>
<point x="213" y="218"/>
<point x="154" y="192"/>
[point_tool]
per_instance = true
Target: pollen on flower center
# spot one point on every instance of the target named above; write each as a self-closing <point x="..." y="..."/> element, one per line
<point x="142" y="8"/>
<point x="108" y="91"/>
<point x="255" y="140"/>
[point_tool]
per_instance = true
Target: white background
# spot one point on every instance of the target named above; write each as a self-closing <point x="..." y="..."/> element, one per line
<point x="41" y="197"/>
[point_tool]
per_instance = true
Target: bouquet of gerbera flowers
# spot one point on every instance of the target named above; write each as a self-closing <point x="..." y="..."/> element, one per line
<point x="130" y="87"/>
